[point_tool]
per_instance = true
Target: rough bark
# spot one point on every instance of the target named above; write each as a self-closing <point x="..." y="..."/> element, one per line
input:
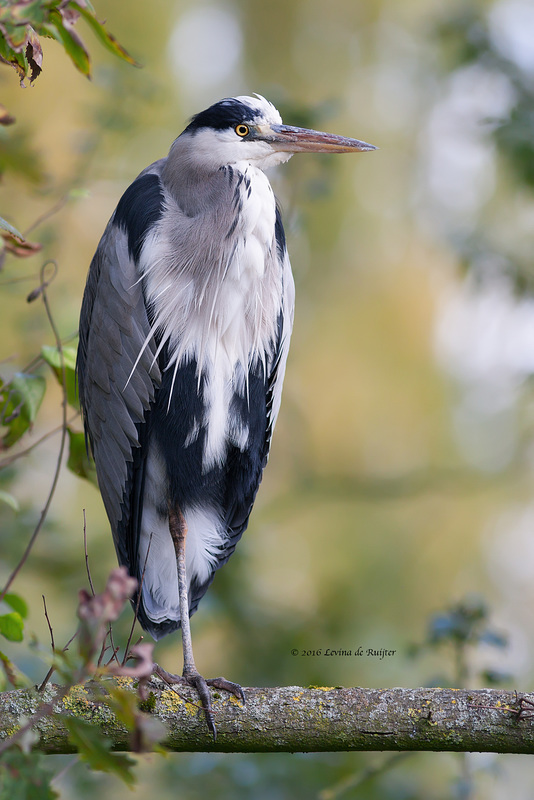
<point x="293" y="718"/>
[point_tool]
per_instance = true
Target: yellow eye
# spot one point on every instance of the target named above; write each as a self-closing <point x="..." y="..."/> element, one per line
<point x="242" y="130"/>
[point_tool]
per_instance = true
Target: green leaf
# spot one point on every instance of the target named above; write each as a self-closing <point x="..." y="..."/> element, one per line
<point x="17" y="603"/>
<point x="52" y="357"/>
<point x="25" y="776"/>
<point x="9" y="500"/>
<point x="16" y="60"/>
<point x="12" y="626"/>
<point x="95" y="749"/>
<point x="19" y="403"/>
<point x="15" y="35"/>
<point x="18" y="12"/>
<point x="107" y="39"/>
<point x="13" y="676"/>
<point x="31" y="389"/>
<point x="23" y="21"/>
<point x="72" y="44"/>
<point x="78" y="461"/>
<point x="4" y="224"/>
<point x="124" y="705"/>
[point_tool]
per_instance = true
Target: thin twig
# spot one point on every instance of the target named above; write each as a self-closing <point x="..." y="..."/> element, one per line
<point x="57" y="777"/>
<point x="6" y="462"/>
<point x="49" y="625"/>
<point x="38" y="361"/>
<point x="105" y="647"/>
<point x="46" y="508"/>
<point x="360" y="778"/>
<point x="114" y="653"/>
<point x="46" y="678"/>
<point x="21" y="279"/>
<point x="72" y="638"/>
<point x="136" y="613"/>
<point x="114" y="647"/>
<point x="47" y="214"/>
<point x="110" y="632"/>
<point x="52" y="669"/>
<point x="87" y="554"/>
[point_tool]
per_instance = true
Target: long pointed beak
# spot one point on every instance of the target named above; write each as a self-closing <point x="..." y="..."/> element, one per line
<point x="302" y="140"/>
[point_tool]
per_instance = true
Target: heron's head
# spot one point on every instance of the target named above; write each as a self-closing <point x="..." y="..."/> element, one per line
<point x="250" y="129"/>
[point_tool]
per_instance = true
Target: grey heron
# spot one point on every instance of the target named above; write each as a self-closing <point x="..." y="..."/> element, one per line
<point x="184" y="335"/>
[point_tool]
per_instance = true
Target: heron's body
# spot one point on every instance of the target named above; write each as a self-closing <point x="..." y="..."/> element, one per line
<point x="184" y="335"/>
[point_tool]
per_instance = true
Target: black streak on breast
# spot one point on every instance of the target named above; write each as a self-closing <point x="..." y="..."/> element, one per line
<point x="229" y="486"/>
<point x="280" y="235"/>
<point x="140" y="207"/>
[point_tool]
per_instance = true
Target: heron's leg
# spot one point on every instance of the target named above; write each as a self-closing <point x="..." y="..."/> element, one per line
<point x="190" y="674"/>
<point x="178" y="531"/>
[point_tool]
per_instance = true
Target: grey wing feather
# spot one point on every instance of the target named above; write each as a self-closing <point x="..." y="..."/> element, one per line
<point x="114" y="328"/>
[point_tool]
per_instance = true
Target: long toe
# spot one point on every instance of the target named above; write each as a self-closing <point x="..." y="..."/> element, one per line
<point x="196" y="681"/>
<point x="169" y="677"/>
<point x="228" y="686"/>
<point x="201" y="685"/>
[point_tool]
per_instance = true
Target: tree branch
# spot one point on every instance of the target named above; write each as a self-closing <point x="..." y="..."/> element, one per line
<point x="290" y="719"/>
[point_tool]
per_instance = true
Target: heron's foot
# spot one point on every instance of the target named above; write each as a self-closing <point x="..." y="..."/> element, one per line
<point x="199" y="683"/>
<point x="228" y="686"/>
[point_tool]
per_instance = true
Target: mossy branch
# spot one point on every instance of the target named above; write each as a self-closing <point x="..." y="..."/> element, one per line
<point x="290" y="719"/>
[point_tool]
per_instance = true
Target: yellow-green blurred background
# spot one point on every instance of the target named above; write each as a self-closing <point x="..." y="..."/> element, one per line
<point x="400" y="479"/>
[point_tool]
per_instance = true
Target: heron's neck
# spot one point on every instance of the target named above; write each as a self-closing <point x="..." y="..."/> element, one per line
<point x="195" y="190"/>
<point x="225" y="298"/>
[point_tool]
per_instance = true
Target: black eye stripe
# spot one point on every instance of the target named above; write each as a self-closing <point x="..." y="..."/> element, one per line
<point x="224" y="114"/>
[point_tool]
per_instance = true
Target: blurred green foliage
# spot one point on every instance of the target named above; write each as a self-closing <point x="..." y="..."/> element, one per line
<point x="467" y="38"/>
<point x="464" y="628"/>
<point x="25" y="776"/>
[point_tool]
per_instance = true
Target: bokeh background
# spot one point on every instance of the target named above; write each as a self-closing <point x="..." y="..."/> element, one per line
<point x="401" y="476"/>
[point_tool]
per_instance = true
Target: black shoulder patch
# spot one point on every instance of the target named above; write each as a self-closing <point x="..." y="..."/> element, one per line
<point x="225" y="114"/>
<point x="280" y="235"/>
<point x="140" y="207"/>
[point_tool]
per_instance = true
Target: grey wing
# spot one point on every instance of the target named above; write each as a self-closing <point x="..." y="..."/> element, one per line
<point x="117" y="378"/>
